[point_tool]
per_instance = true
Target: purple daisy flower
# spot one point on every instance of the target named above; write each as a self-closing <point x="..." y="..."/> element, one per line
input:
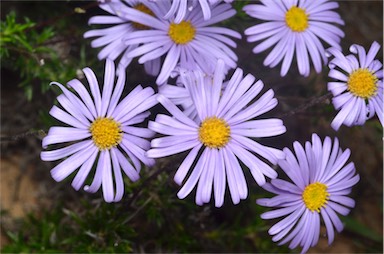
<point x="222" y="133"/>
<point x="99" y="128"/>
<point x="192" y="43"/>
<point x="294" y="26"/>
<point x="111" y="37"/>
<point x="179" y="8"/>
<point x="358" y="89"/>
<point x="321" y="183"/>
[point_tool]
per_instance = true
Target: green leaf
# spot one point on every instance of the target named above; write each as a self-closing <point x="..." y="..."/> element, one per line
<point x="358" y="228"/>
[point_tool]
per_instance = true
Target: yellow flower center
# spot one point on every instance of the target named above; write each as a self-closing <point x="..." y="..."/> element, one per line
<point x="362" y="83"/>
<point x="182" y="33"/>
<point x="145" y="9"/>
<point x="106" y="133"/>
<point x="214" y="132"/>
<point x="315" y="196"/>
<point x="296" y="19"/>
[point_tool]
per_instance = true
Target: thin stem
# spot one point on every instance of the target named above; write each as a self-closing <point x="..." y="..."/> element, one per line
<point x="311" y="103"/>
<point x="145" y="182"/>
<point x="70" y="13"/>
<point x="37" y="133"/>
<point x="23" y="52"/>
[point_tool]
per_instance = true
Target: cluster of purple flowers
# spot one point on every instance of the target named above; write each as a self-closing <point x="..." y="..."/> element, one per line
<point x="218" y="120"/>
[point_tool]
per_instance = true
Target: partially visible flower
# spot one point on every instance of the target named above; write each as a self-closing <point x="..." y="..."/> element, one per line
<point x="111" y="37"/>
<point x="180" y="8"/>
<point x="179" y="94"/>
<point x="99" y="132"/>
<point x="321" y="181"/>
<point x="295" y="28"/>
<point x="358" y="89"/>
<point x="220" y="136"/>
<point x="192" y="43"/>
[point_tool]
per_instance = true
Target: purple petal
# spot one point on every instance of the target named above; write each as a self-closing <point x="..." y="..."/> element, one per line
<point x="117" y="93"/>
<point x="271" y="154"/>
<point x="172" y="140"/>
<point x="169" y="130"/>
<point x="219" y="180"/>
<point x="170" y="121"/>
<point x="94" y="85"/>
<point x="73" y="111"/>
<point x="287" y="186"/>
<point x="338" y="208"/>
<point x="194" y="177"/>
<point x="64" y="134"/>
<point x="328" y="225"/>
<point x="97" y="179"/>
<point x="174" y="149"/>
<point x="206" y="180"/>
<point x="66" y="151"/>
<point x="69" y="165"/>
<point x="256" y="166"/>
<point x="109" y="78"/>
<point x="66" y="118"/>
<point x="186" y="165"/>
<point x="137" y="151"/>
<point x="176" y="112"/>
<point x="335" y="219"/>
<point x="278" y="213"/>
<point x="107" y="181"/>
<point x="117" y="176"/>
<point x="169" y="64"/>
<point x="287" y="221"/>
<point x="128" y="169"/>
<point x="84" y="170"/>
<point x="79" y="87"/>
<point x="237" y="182"/>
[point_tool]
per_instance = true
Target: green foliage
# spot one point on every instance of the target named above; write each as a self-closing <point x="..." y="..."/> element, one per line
<point x="354" y="226"/>
<point x="13" y="34"/>
<point x="66" y="231"/>
<point x="238" y="6"/>
<point x="37" y="54"/>
<point x="97" y="228"/>
<point x="157" y="221"/>
<point x="38" y="235"/>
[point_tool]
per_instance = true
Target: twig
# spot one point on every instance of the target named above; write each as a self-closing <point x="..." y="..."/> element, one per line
<point x="311" y="103"/>
<point x="127" y="204"/>
<point x="23" y="52"/>
<point x="70" y="13"/>
<point x="145" y="183"/>
<point x="137" y="211"/>
<point x="37" y="133"/>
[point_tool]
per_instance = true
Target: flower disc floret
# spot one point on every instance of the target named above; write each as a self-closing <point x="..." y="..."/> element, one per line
<point x="182" y="33"/>
<point x="315" y="196"/>
<point x="296" y="19"/>
<point x="106" y="133"/>
<point x="362" y="83"/>
<point x="214" y="132"/>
